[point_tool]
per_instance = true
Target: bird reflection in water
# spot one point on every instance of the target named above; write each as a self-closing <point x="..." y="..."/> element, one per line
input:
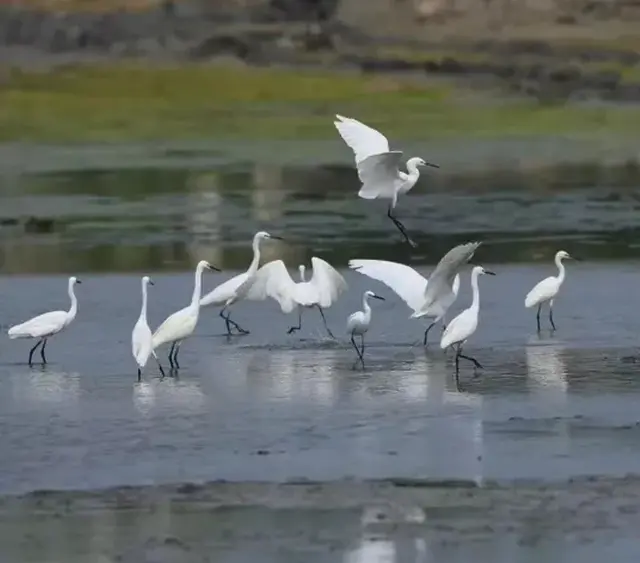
<point x="44" y="385"/>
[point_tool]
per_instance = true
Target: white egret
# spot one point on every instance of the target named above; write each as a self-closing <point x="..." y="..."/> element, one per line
<point x="378" y="166"/>
<point x="321" y="291"/>
<point x="358" y="323"/>
<point x="182" y="323"/>
<point x="548" y="288"/>
<point x="237" y="287"/>
<point x="465" y="324"/>
<point x="46" y="325"/>
<point x="428" y="298"/>
<point x="141" y="336"/>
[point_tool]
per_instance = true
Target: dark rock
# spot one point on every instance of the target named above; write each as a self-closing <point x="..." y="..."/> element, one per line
<point x="566" y="74"/>
<point x="217" y="45"/>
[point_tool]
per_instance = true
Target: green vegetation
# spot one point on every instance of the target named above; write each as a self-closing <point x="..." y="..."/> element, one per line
<point x="144" y="102"/>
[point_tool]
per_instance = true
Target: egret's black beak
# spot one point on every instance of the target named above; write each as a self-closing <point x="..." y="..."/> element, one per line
<point x="78" y="281"/>
<point x="378" y="297"/>
<point x="275" y="237"/>
<point x="432" y="165"/>
<point x="576" y="259"/>
<point x="151" y="282"/>
<point x="214" y="268"/>
<point x="489" y="273"/>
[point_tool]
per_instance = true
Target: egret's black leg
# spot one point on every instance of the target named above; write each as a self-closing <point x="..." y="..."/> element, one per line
<point x="362" y="349"/>
<point x="357" y="351"/>
<point x="231" y="323"/>
<point x="173" y="345"/>
<point x="159" y="364"/>
<point x="324" y="320"/>
<point x="33" y="350"/>
<point x="226" y="321"/>
<point x="551" y="316"/>
<point x="139" y="374"/>
<point x="44" y="343"/>
<point x="294" y="328"/>
<point x="458" y="365"/>
<point x="401" y="228"/>
<point x="175" y="355"/>
<point x="538" y="316"/>
<point x="476" y="363"/>
<point x="426" y="332"/>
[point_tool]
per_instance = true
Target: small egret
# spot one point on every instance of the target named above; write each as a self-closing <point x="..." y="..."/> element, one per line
<point x="548" y="288"/>
<point x="237" y="287"/>
<point x="378" y="166"/>
<point x="46" y="325"/>
<point x="321" y="291"/>
<point x="141" y="336"/>
<point x="182" y="323"/>
<point x="465" y="324"/>
<point x="358" y="323"/>
<point x="428" y="298"/>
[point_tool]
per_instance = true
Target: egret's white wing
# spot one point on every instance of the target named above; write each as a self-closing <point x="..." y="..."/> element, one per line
<point x="379" y="175"/>
<point x="456" y="285"/>
<point x="403" y="280"/>
<point x="173" y="327"/>
<point x="459" y="329"/>
<point x="225" y="291"/>
<point x="439" y="294"/>
<point x="363" y="140"/>
<point x="542" y="291"/>
<point x="44" y="324"/>
<point x="328" y="282"/>
<point x="273" y="280"/>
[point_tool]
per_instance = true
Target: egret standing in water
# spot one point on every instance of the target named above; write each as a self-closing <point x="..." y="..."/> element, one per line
<point x="358" y="323"/>
<point x="46" y="325"/>
<point x="182" y="323"/>
<point x="547" y="289"/>
<point x="427" y="298"/>
<point x="141" y="336"/>
<point x="466" y="323"/>
<point x="378" y="166"/>
<point x="321" y="291"/>
<point x="237" y="287"/>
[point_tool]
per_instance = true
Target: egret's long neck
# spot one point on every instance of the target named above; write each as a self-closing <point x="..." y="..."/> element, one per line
<point x="365" y="307"/>
<point x="253" y="267"/>
<point x="197" y="288"/>
<point x="302" y="276"/>
<point x="413" y="170"/>
<point x="475" y="303"/>
<point x="74" y="303"/>
<point x="560" y="276"/>
<point x="143" y="310"/>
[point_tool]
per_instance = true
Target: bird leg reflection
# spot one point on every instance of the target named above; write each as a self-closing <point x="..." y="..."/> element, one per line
<point x="326" y="326"/>
<point x="294" y="328"/>
<point x="401" y="228"/>
<point x="231" y="323"/>
<point x="360" y="354"/>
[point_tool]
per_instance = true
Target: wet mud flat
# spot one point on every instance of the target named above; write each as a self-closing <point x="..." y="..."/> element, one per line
<point x="408" y="520"/>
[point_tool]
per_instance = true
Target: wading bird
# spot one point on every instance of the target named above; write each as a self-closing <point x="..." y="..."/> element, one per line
<point x="141" y="336"/>
<point x="46" y="325"/>
<point x="427" y="298"/>
<point x="548" y="289"/>
<point x="321" y="291"/>
<point x="358" y="323"/>
<point x="378" y="166"/>
<point x="237" y="287"/>
<point x="465" y="324"/>
<point x="182" y="323"/>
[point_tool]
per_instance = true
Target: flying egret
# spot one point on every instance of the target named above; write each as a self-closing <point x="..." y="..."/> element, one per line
<point x="465" y="324"/>
<point x="46" y="325"/>
<point x="358" y="323"/>
<point x="182" y="323"/>
<point x="378" y="166"/>
<point x="237" y="287"/>
<point x="548" y="288"/>
<point x="428" y="298"/>
<point x="321" y="291"/>
<point x="141" y="336"/>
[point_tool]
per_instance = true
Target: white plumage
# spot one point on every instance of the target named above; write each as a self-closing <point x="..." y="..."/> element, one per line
<point x="141" y="336"/>
<point x="411" y="287"/>
<point x="378" y="166"/>
<point x="321" y="291"/>
<point x="46" y="325"/>
<point x="182" y="323"/>
<point x="466" y="323"/>
<point x="238" y="286"/>
<point x="548" y="289"/>
<point x="358" y="323"/>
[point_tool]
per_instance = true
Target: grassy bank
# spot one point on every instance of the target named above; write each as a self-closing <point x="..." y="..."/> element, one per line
<point x="128" y="102"/>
